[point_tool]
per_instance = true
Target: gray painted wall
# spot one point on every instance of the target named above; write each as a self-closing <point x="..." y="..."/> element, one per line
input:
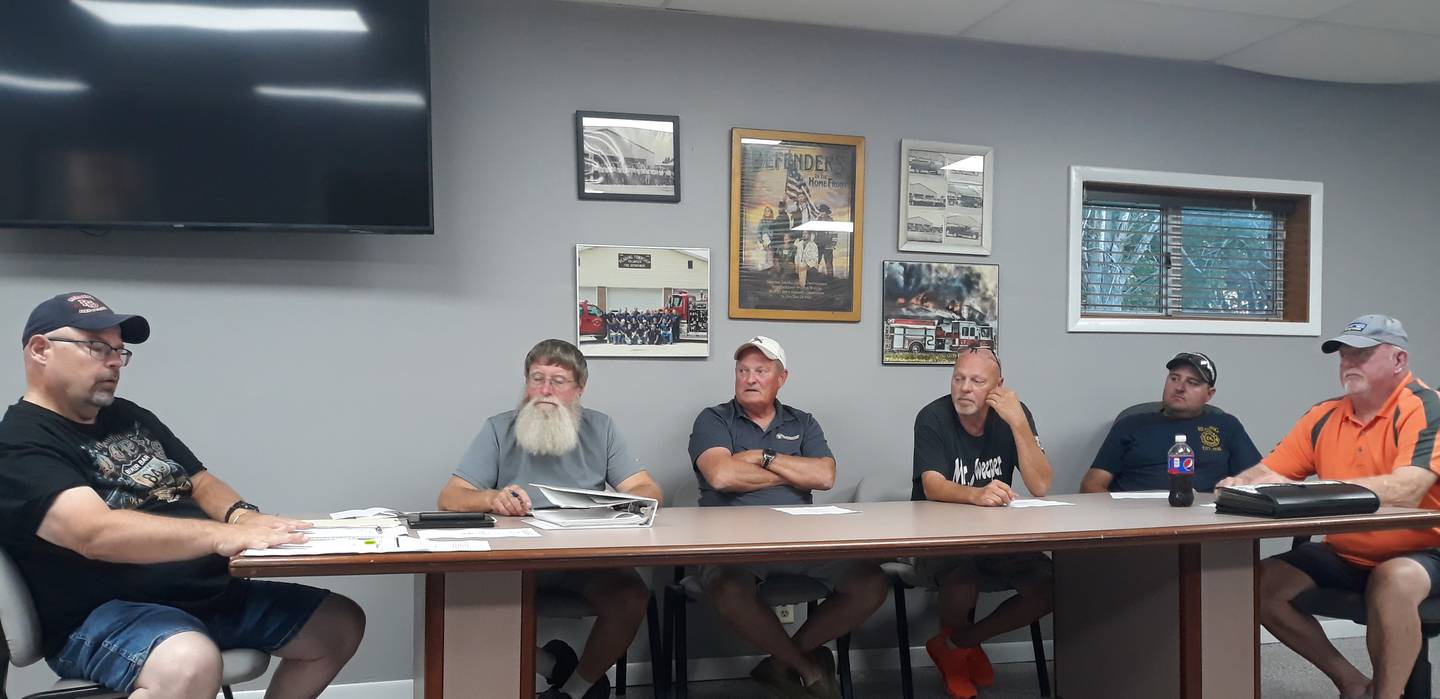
<point x="317" y="373"/>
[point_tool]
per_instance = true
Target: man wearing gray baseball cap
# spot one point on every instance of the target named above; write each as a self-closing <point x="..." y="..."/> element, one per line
<point x="1380" y="434"/>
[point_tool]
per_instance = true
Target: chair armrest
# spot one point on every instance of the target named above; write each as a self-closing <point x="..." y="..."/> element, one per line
<point x="88" y="690"/>
<point x="1298" y="541"/>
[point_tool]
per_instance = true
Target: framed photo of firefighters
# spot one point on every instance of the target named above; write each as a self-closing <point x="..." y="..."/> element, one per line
<point x="642" y="302"/>
<point x="931" y="310"/>
<point x="627" y="157"/>
<point x="796" y="207"/>
<point x="945" y="193"/>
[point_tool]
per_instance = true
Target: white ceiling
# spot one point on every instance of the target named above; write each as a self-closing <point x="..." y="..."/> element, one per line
<point x="1365" y="41"/>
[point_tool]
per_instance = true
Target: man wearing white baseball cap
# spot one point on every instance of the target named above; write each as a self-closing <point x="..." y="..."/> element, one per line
<point x="754" y="450"/>
<point x="1380" y="434"/>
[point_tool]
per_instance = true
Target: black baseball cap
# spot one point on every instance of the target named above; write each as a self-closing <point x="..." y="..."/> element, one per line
<point x="78" y="309"/>
<point x="1201" y="363"/>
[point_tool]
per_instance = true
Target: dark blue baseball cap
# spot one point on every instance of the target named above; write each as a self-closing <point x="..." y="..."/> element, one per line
<point x="78" y="309"/>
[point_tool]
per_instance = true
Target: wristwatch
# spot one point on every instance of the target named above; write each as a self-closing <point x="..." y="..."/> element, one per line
<point x="769" y="456"/>
<point x="239" y="505"/>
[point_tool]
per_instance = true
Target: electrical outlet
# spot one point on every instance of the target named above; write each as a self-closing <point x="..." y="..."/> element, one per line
<point x="786" y="613"/>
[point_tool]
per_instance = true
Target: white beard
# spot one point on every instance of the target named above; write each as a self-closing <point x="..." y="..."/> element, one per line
<point x="547" y="430"/>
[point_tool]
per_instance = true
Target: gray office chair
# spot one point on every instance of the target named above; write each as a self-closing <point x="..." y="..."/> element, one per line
<point x="21" y="629"/>
<point x="565" y="604"/>
<point x="903" y="577"/>
<point x="1342" y="604"/>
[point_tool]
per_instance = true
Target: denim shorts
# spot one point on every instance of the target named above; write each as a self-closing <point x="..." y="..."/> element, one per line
<point x="113" y="643"/>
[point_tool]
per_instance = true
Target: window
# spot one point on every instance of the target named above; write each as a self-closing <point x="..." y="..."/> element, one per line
<point x="1175" y="253"/>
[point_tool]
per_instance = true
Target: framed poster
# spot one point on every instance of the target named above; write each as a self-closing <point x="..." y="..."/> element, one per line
<point x="930" y="310"/>
<point x="642" y="302"/>
<point x="796" y="207"/>
<point x="945" y="193"/>
<point x="627" y="157"/>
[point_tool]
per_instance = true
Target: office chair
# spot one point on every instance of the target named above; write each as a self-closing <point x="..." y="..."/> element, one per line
<point x="903" y="577"/>
<point x="21" y="629"/>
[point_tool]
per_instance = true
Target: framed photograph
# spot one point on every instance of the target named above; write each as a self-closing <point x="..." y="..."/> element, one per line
<point x="627" y="157"/>
<point x="796" y="206"/>
<point x="642" y="302"/>
<point x="945" y="197"/>
<point x="933" y="309"/>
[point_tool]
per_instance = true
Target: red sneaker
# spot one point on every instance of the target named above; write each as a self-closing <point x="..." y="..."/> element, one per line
<point x="981" y="671"/>
<point x="953" y="666"/>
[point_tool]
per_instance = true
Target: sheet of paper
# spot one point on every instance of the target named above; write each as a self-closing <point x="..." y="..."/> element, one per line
<point x="816" y="510"/>
<point x="355" y="522"/>
<point x="541" y="524"/>
<point x="1036" y="502"/>
<point x="318" y="547"/>
<point x="1141" y="495"/>
<point x="317" y="534"/>
<point x="410" y="543"/>
<point x="475" y="533"/>
<point x="365" y="513"/>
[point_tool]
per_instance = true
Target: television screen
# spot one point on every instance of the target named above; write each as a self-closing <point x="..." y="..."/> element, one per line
<point x="223" y="114"/>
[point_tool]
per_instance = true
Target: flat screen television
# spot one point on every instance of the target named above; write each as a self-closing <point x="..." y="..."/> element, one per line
<point x="215" y="114"/>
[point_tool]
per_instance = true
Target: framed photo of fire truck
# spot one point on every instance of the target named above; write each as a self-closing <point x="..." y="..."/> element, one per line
<point x="796" y="203"/>
<point x="945" y="191"/>
<point x="931" y="310"/>
<point x="627" y="157"/>
<point x="642" y="301"/>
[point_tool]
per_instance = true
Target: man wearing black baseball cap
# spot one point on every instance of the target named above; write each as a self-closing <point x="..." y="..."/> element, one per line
<point x="1133" y="454"/>
<point x="101" y="506"/>
<point x="1381" y="434"/>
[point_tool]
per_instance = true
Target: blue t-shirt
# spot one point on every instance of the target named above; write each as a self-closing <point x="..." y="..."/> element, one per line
<point x="791" y="431"/>
<point x="1135" y="450"/>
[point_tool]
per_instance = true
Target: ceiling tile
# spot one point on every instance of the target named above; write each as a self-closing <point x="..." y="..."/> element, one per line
<point x="947" y="17"/>
<point x="1321" y="51"/>
<point x="1126" y="26"/>
<point x="1405" y="15"/>
<point x="1295" y="9"/>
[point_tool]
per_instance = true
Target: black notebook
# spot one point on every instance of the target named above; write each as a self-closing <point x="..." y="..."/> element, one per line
<point x="1309" y="499"/>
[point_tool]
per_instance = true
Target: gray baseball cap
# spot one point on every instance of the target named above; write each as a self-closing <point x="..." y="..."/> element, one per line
<point x="1369" y="331"/>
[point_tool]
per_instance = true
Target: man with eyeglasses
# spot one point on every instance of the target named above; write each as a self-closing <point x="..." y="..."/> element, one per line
<point x="550" y="439"/>
<point x="123" y="536"/>
<point x="754" y="450"/>
<point x="968" y="445"/>
<point x="1133" y="454"/>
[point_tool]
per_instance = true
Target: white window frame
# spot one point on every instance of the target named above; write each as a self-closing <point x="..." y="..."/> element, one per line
<point x="1080" y="175"/>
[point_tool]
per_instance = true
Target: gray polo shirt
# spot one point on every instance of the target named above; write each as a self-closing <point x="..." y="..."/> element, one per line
<point x="494" y="460"/>
<point x="793" y="432"/>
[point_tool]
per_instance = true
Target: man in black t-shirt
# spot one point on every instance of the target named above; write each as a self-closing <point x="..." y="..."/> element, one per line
<point x="1134" y="452"/>
<point x="968" y="445"/>
<point x="122" y="535"/>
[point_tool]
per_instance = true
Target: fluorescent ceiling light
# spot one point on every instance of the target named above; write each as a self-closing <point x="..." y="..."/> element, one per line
<point x="974" y="163"/>
<point x="836" y="226"/>
<point x="629" y="123"/>
<point x="760" y="141"/>
<point x="224" y="19"/>
<point x="390" y="98"/>
<point x="41" y="84"/>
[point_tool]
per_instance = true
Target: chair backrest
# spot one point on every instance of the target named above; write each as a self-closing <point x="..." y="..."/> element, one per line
<point x="17" y="615"/>
<point x="873" y="488"/>
<point x="1154" y="407"/>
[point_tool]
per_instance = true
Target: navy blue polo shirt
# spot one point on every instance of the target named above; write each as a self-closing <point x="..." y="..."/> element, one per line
<point x="793" y="432"/>
<point x="1135" y="449"/>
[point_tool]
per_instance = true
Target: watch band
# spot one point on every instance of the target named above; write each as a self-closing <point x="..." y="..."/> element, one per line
<point x="769" y="456"/>
<point x="239" y="505"/>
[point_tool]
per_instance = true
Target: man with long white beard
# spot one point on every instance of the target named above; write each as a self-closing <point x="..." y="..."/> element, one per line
<point x="550" y="439"/>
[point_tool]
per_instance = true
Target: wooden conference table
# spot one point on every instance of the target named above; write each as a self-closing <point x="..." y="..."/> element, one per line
<point x="1151" y="600"/>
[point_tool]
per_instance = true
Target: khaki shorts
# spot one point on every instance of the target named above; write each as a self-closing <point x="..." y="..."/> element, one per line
<point x="831" y="574"/>
<point x="993" y="572"/>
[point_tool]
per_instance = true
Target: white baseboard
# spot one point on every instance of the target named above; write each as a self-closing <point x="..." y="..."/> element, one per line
<point x="702" y="669"/>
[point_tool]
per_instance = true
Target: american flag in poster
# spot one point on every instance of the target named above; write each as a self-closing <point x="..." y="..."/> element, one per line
<point x="797" y="191"/>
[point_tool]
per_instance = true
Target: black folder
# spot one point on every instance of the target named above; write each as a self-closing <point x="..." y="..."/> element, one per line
<point x="1312" y="499"/>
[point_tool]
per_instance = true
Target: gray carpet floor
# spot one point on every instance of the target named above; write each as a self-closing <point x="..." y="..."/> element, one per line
<point x="1284" y="675"/>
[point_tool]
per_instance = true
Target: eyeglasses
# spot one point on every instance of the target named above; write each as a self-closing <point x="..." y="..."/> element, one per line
<point x="98" y="349"/>
<point x="556" y="382"/>
<point x="981" y="348"/>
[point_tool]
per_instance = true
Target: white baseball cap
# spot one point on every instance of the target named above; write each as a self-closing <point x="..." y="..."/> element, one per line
<point x="768" y="347"/>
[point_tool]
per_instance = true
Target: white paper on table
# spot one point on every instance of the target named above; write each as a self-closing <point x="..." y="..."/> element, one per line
<point x="1141" y="495"/>
<point x="820" y="510"/>
<point x="321" y="533"/>
<point x="372" y="522"/>
<point x="1036" y="502"/>
<point x="365" y="513"/>
<point x="475" y="533"/>
<point x="541" y="524"/>
<point x="1210" y="505"/>
<point x="319" y="547"/>
<point x="410" y="543"/>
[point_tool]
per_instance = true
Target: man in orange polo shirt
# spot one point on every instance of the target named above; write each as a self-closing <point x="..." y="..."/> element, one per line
<point x="1380" y="434"/>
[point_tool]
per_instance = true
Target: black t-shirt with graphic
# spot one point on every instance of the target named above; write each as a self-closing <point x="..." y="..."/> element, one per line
<point x="133" y="462"/>
<point x="942" y="445"/>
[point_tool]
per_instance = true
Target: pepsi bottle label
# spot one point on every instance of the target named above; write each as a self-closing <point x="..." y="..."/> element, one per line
<point x="1182" y="466"/>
